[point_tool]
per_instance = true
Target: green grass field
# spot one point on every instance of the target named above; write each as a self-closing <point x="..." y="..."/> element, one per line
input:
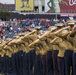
<point x="1" y="74"/>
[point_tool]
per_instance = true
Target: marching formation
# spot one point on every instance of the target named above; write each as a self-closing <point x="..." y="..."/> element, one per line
<point x="32" y="53"/>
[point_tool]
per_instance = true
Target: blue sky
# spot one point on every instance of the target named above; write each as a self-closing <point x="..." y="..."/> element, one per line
<point x="8" y="1"/>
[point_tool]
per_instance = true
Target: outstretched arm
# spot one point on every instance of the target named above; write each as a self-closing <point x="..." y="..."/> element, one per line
<point x="49" y="4"/>
<point x="62" y="2"/>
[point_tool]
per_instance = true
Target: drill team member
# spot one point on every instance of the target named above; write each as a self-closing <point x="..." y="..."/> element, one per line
<point x="72" y="40"/>
<point x="62" y="46"/>
<point x="69" y="52"/>
<point x="55" y="52"/>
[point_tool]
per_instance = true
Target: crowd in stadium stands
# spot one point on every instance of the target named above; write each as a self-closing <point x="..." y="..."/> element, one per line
<point x="8" y="7"/>
<point x="9" y="28"/>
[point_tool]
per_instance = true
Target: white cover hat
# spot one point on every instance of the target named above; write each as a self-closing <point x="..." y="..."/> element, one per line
<point x="59" y="24"/>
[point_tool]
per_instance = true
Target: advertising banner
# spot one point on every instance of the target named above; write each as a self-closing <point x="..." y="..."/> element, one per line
<point x="69" y="15"/>
<point x="60" y="6"/>
<point x="24" y="5"/>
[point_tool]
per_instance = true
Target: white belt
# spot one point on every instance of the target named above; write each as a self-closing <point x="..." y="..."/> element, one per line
<point x="74" y="51"/>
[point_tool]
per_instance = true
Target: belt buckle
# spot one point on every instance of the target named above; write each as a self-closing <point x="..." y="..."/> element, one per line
<point x="74" y="51"/>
